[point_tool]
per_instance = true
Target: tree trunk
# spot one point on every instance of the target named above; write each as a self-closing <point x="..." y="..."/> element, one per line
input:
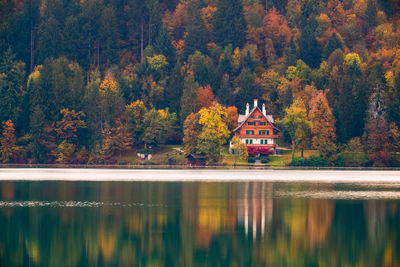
<point x="141" y="39"/>
<point x="293" y="149"/>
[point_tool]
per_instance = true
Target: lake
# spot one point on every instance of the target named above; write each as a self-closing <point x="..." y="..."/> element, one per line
<point x="212" y="218"/>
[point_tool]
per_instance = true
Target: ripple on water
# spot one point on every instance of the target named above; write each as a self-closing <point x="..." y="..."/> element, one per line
<point x="341" y="194"/>
<point x="77" y="204"/>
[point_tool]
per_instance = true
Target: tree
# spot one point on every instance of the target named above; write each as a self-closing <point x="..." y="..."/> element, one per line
<point x="249" y="90"/>
<point x="111" y="100"/>
<point x="108" y="37"/>
<point x="323" y="125"/>
<point x="296" y="123"/>
<point x="229" y="25"/>
<point x="157" y="124"/>
<point x="116" y="139"/>
<point x="376" y="128"/>
<point x="308" y="44"/>
<point x="276" y="28"/>
<point x="371" y="13"/>
<point x="12" y="87"/>
<point x="135" y="112"/>
<point x="191" y="132"/>
<point x="232" y="118"/>
<point x="8" y="142"/>
<point x="205" y="97"/>
<point x="188" y="105"/>
<point x="214" y="131"/>
<point x="196" y="38"/>
<point x="239" y="150"/>
<point x="332" y="44"/>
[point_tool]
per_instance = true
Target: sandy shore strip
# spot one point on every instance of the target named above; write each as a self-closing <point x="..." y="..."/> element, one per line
<point x="162" y="175"/>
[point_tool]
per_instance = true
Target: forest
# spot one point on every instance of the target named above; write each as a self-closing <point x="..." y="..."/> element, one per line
<point x="86" y="81"/>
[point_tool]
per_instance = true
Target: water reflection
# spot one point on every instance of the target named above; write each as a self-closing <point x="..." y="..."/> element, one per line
<point x="198" y="224"/>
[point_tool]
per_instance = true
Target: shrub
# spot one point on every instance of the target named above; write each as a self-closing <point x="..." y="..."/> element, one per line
<point x="317" y="161"/>
<point x="264" y="159"/>
<point x="251" y="160"/>
<point x="339" y="161"/>
<point x="298" y="161"/>
<point x="149" y="162"/>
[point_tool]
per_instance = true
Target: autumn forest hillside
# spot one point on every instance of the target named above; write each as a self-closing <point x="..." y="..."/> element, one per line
<point x="86" y="80"/>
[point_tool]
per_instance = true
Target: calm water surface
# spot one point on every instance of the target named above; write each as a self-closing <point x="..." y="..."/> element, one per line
<point x="61" y="223"/>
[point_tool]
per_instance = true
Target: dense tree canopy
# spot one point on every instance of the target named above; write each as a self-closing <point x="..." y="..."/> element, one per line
<point x="112" y="62"/>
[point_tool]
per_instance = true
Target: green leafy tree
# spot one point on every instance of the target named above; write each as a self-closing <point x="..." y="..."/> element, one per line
<point x="191" y="132"/>
<point x="296" y="123"/>
<point x="239" y="150"/>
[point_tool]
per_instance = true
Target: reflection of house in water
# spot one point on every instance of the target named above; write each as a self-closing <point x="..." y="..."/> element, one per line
<point x="255" y="208"/>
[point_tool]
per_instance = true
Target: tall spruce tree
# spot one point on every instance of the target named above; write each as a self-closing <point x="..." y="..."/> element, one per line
<point x="229" y="25"/>
<point x="309" y="47"/>
<point x="174" y="88"/>
<point x="197" y="37"/>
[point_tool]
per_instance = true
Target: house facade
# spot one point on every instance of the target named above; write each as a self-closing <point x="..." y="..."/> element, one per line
<point x="256" y="128"/>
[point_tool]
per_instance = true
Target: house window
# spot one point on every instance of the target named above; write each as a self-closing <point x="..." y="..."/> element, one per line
<point x="266" y="141"/>
<point x="262" y="122"/>
<point x="262" y="141"/>
<point x="267" y="132"/>
<point x="260" y="117"/>
<point x="249" y="132"/>
<point x="252" y="117"/>
<point x="251" y="123"/>
<point x="251" y="141"/>
<point x="247" y="141"/>
<point x="263" y="132"/>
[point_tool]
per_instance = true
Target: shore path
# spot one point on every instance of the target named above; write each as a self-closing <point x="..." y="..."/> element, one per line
<point x="198" y="175"/>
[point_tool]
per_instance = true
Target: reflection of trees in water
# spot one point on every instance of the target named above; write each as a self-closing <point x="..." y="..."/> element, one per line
<point x="186" y="224"/>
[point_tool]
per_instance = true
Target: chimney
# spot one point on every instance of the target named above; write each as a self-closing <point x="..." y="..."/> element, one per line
<point x="264" y="111"/>
<point x="247" y="109"/>
<point x="255" y="102"/>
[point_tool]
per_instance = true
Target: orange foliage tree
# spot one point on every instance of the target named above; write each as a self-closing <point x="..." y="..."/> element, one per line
<point x="8" y="142"/>
<point x="323" y="125"/>
<point x="276" y="28"/>
<point x="232" y="117"/>
<point x="205" y="97"/>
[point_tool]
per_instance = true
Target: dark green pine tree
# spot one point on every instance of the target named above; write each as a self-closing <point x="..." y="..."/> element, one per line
<point x="174" y="88"/>
<point x="108" y="37"/>
<point x="288" y="97"/>
<point x="332" y="44"/>
<point x="12" y="82"/>
<point x="189" y="97"/>
<point x="74" y="45"/>
<point x="162" y="45"/>
<point x="371" y="13"/>
<point x="229" y="25"/>
<point x="248" y="62"/>
<point x="248" y="91"/>
<point x="351" y="104"/>
<point x="292" y="53"/>
<point x="154" y="19"/>
<point x="309" y="47"/>
<point x="50" y="39"/>
<point x="197" y="37"/>
<point x="225" y="91"/>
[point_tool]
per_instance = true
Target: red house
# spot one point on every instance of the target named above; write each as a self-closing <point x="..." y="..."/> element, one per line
<point x="256" y="129"/>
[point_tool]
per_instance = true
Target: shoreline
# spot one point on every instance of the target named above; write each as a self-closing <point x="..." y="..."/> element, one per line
<point x="199" y="175"/>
